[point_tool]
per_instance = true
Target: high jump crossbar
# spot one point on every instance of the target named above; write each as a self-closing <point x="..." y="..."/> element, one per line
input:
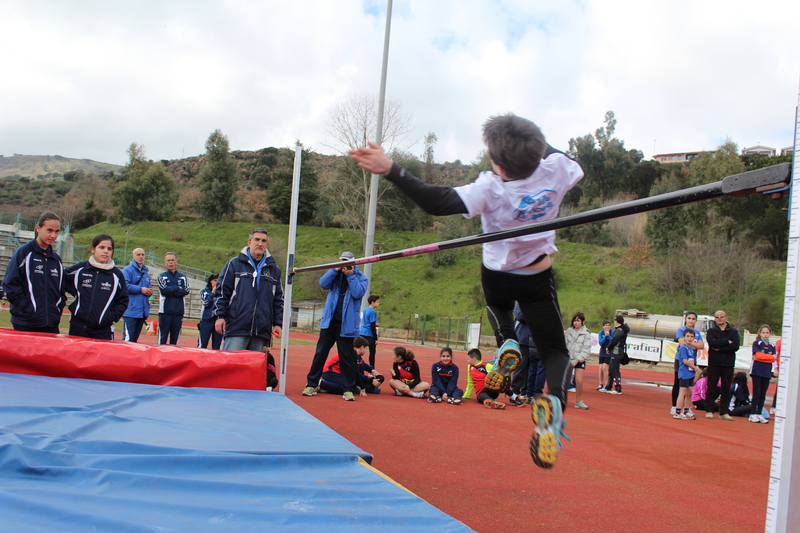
<point x="769" y="180"/>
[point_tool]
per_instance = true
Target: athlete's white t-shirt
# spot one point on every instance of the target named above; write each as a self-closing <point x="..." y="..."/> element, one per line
<point x="510" y="204"/>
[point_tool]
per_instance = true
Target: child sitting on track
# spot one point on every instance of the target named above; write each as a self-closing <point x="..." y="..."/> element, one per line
<point x="529" y="182"/>
<point x="444" y="379"/>
<point x="405" y="375"/>
<point x="477" y="371"/>
<point x="368" y="380"/>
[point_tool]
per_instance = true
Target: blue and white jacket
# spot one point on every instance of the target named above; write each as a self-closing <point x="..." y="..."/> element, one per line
<point x="249" y="306"/>
<point x="207" y="301"/>
<point x="174" y="287"/>
<point x="34" y="285"/>
<point x="101" y="296"/>
<point x="356" y="288"/>
<point x="137" y="278"/>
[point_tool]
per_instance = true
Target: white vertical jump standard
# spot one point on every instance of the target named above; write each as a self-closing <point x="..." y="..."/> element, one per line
<point x="287" y="288"/>
<point x="783" y="509"/>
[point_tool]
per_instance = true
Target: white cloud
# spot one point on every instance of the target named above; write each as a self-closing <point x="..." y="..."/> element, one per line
<point x="85" y="79"/>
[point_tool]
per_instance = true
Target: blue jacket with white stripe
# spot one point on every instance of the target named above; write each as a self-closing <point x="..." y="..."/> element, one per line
<point x="101" y="296"/>
<point x="250" y="307"/>
<point x="34" y="285"/>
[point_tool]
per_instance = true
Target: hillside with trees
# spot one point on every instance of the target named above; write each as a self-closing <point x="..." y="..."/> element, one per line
<point x="704" y="244"/>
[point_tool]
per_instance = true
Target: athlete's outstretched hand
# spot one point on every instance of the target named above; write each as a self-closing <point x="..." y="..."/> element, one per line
<point x="372" y="159"/>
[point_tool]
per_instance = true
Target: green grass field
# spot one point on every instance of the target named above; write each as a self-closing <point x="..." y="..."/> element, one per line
<point x="589" y="278"/>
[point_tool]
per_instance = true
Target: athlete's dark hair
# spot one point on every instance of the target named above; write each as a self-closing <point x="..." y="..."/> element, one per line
<point x="373" y="298"/>
<point x="619" y="319"/>
<point x="446" y="349"/>
<point x="211" y="278"/>
<point x="407" y="355"/>
<point x="740" y="378"/>
<point x="515" y="144"/>
<point x="688" y="330"/>
<point x="578" y="315"/>
<point x="475" y="354"/>
<point x="360" y="342"/>
<point x="104" y="237"/>
<point x="686" y="315"/>
<point x="47" y="215"/>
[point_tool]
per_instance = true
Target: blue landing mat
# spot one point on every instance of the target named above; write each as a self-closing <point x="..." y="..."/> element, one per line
<point x="82" y="455"/>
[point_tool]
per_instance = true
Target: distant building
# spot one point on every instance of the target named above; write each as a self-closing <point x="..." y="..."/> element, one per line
<point x="676" y="157"/>
<point x="758" y="149"/>
<point x="787" y="150"/>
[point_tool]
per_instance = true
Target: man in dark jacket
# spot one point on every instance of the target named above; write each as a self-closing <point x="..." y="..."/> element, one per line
<point x="723" y="343"/>
<point x="249" y="297"/>
<point x="174" y="287"/>
<point x="617" y="347"/>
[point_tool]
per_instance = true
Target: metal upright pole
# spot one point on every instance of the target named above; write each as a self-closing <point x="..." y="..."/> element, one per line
<point x="287" y="290"/>
<point x="369" y="241"/>
<point x="784" y="476"/>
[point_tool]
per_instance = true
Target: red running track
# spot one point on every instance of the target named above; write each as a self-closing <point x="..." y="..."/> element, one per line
<point x="629" y="468"/>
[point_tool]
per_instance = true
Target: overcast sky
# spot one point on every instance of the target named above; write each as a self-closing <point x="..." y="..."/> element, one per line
<point x="85" y="79"/>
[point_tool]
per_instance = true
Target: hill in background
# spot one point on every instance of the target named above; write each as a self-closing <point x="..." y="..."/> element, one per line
<point x="53" y="167"/>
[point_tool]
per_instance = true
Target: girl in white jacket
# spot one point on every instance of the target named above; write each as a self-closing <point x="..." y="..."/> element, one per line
<point x="579" y="342"/>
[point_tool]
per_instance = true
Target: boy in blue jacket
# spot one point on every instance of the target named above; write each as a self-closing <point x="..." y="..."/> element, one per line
<point x="687" y="356"/>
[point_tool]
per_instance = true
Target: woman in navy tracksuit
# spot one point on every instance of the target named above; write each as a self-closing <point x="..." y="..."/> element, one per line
<point x="101" y="294"/>
<point x="207" y="319"/>
<point x="34" y="280"/>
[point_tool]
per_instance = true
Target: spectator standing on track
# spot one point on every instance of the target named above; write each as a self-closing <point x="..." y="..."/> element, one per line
<point x="137" y="279"/>
<point x="529" y="182"/>
<point x="579" y="344"/>
<point x="689" y="322"/>
<point x="101" y="296"/>
<point x="369" y="325"/>
<point x="764" y="354"/>
<point x="34" y="280"/>
<point x="687" y="369"/>
<point x="723" y="342"/>
<point x="617" y="347"/>
<point x="248" y="300"/>
<point x="174" y="287"/>
<point x="207" y="324"/>
<point x="775" y="373"/>
<point x="519" y="379"/>
<point x="340" y="322"/>
<point x="604" y="336"/>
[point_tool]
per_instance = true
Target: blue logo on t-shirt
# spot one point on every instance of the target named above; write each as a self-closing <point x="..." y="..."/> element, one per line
<point x="533" y="207"/>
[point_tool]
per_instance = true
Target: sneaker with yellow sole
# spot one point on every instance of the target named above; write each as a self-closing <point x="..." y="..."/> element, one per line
<point x="546" y="439"/>
<point x="507" y="360"/>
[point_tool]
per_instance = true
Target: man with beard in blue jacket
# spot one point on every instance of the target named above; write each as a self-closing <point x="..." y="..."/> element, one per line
<point x="341" y="319"/>
<point x="249" y="297"/>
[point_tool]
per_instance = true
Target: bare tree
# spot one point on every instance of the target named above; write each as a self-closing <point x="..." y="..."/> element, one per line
<point x="352" y="123"/>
